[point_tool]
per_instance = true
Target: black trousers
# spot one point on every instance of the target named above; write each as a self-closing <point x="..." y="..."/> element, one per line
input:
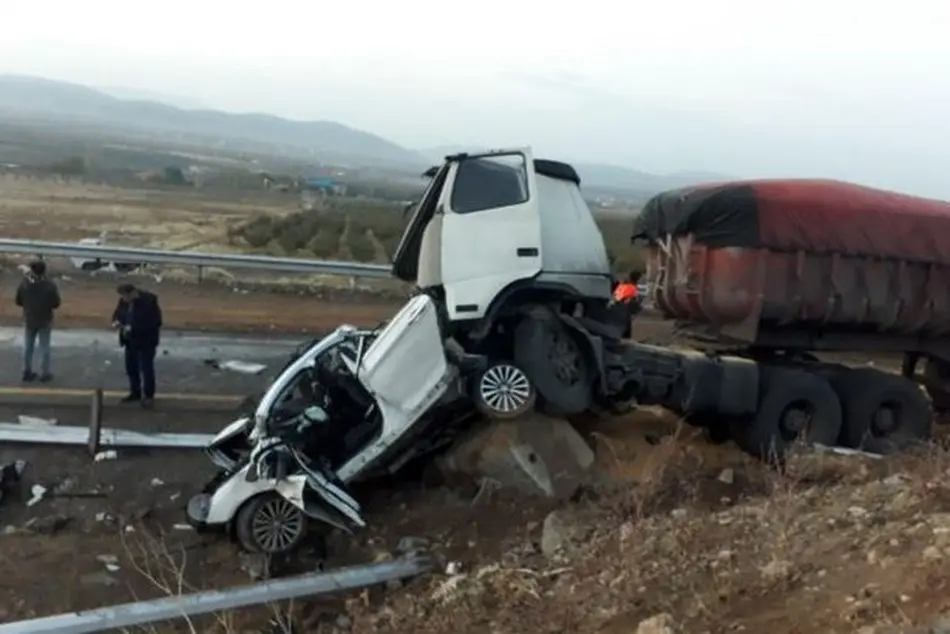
<point x="140" y="368"/>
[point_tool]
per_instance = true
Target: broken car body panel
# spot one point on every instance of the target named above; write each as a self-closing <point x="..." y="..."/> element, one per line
<point x="344" y="407"/>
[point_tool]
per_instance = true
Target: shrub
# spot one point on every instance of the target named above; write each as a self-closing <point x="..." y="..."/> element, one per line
<point x="361" y="248"/>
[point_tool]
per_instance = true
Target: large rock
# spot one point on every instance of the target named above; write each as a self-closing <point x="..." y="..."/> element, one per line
<point x="534" y="454"/>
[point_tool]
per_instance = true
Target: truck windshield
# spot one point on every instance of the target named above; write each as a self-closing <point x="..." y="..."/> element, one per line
<point x="489" y="182"/>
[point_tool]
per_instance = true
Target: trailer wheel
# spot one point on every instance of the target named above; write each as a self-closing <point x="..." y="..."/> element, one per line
<point x="937" y="376"/>
<point x="883" y="413"/>
<point x="717" y="432"/>
<point x="502" y="390"/>
<point x="555" y="362"/>
<point x="793" y="406"/>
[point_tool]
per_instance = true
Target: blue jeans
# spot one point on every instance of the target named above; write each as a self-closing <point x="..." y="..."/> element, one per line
<point x="32" y="337"/>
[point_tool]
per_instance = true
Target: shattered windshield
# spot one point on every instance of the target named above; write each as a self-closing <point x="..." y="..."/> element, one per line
<point x="309" y="385"/>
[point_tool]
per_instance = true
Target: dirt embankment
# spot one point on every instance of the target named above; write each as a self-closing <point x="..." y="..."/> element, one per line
<point x="695" y="537"/>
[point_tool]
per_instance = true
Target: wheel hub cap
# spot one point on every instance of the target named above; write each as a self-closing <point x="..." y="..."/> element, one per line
<point x="505" y="388"/>
<point x="564" y="357"/>
<point x="795" y="421"/>
<point x="277" y="525"/>
<point x="886" y="421"/>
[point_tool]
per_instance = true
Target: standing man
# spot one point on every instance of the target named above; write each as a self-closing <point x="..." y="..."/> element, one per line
<point x="38" y="297"/>
<point x="138" y="320"/>
<point x="627" y="302"/>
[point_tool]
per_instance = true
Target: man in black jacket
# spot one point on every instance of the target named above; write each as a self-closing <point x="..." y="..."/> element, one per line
<point x="38" y="296"/>
<point x="138" y="320"/>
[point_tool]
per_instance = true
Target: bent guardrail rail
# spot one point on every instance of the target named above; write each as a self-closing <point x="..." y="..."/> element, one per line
<point x="143" y="612"/>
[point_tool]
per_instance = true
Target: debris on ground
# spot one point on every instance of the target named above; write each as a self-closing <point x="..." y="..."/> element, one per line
<point x="846" y="451"/>
<point x="10" y="474"/>
<point x="37" y="493"/>
<point x="35" y="421"/>
<point x="241" y="367"/>
<point x="109" y="454"/>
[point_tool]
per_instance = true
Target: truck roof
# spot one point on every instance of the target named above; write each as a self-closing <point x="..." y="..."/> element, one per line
<point x="545" y="167"/>
<point x="802" y="214"/>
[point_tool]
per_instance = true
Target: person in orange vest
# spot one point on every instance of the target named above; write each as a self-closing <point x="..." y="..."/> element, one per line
<point x="627" y="296"/>
<point x="627" y="291"/>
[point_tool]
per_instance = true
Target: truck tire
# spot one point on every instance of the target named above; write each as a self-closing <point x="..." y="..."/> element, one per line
<point x="556" y="363"/>
<point x="937" y="376"/>
<point x="883" y="413"/>
<point x="793" y="406"/>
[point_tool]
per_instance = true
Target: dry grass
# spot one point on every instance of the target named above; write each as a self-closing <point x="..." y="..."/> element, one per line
<point x="63" y="210"/>
<point x="166" y="568"/>
<point x="829" y="544"/>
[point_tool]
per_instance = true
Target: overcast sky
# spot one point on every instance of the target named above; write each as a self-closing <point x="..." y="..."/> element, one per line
<point x="835" y="88"/>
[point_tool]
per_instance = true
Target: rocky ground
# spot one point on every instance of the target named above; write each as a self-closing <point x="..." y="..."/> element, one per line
<point x="682" y="536"/>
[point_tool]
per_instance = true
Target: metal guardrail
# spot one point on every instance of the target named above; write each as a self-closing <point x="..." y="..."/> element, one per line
<point x="143" y="612"/>
<point x="193" y="258"/>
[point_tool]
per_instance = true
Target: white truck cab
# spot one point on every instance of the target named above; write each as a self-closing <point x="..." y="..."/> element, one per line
<point x="499" y="223"/>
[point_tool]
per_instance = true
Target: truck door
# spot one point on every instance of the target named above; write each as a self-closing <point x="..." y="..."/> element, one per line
<point x="491" y="229"/>
<point x="406" y="258"/>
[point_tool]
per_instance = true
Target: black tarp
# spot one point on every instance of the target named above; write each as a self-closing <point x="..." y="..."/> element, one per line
<point x="822" y="216"/>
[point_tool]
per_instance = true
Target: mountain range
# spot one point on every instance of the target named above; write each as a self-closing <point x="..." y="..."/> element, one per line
<point x="141" y="112"/>
<point x="601" y="175"/>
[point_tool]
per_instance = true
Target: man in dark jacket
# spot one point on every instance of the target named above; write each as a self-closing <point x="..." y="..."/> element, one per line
<point x="138" y="320"/>
<point x="39" y="297"/>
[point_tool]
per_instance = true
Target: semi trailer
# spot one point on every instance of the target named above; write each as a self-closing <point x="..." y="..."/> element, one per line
<point x="513" y="311"/>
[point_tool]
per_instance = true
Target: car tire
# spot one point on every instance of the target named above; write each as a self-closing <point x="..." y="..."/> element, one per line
<point x="556" y="363"/>
<point x="268" y="524"/>
<point x="883" y="413"/>
<point x="794" y="406"/>
<point x="502" y="391"/>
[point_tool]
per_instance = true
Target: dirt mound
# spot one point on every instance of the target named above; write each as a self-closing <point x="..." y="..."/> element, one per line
<point x="832" y="544"/>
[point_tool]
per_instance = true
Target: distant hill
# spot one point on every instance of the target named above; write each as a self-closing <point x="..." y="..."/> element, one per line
<point x="608" y="176"/>
<point x="43" y="99"/>
<point x="135" y="94"/>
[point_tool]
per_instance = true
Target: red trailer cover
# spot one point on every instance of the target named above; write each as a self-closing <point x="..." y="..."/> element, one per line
<point x="821" y="216"/>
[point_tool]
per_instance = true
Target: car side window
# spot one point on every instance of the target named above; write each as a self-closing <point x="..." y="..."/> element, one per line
<point x="489" y="182"/>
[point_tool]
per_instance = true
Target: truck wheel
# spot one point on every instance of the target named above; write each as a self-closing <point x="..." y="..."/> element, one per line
<point x="937" y="376"/>
<point x="270" y="525"/>
<point x="883" y="413"/>
<point x="793" y="406"/>
<point x="502" y="390"/>
<point x="555" y="362"/>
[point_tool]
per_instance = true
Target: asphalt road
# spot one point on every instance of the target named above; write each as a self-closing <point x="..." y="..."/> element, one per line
<point x="92" y="358"/>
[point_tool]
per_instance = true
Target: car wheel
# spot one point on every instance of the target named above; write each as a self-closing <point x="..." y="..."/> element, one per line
<point x="793" y="406"/>
<point x="270" y="525"/>
<point x="883" y="412"/>
<point x="556" y="364"/>
<point x="503" y="390"/>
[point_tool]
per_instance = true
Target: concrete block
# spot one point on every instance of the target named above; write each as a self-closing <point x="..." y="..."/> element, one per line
<point x="534" y="454"/>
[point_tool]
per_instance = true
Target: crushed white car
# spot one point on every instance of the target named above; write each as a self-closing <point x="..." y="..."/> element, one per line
<point x="352" y="405"/>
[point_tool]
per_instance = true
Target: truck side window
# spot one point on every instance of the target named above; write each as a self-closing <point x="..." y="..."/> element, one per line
<point x="489" y="182"/>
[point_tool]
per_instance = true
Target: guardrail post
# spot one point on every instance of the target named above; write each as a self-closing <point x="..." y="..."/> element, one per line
<point x="95" y="421"/>
<point x="201" y="271"/>
<point x="352" y="282"/>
